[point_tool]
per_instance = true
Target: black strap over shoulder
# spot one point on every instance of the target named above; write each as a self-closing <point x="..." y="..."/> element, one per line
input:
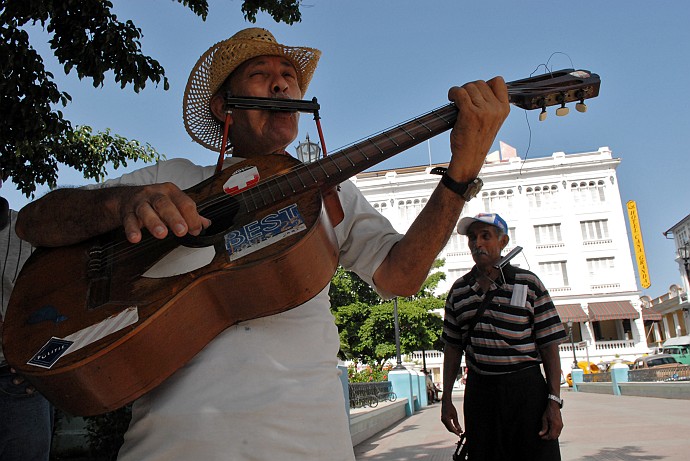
<point x="477" y="316"/>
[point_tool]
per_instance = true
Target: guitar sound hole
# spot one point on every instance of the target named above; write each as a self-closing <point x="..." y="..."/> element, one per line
<point x="222" y="216"/>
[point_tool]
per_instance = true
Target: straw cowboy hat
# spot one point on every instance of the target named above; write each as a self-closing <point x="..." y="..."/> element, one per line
<point x="218" y="62"/>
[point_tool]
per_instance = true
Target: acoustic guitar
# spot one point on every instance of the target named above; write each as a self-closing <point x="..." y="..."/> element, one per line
<point x="95" y="325"/>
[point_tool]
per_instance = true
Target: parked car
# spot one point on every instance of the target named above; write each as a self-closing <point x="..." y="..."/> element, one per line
<point x="679" y="348"/>
<point x="606" y="366"/>
<point x="655" y="361"/>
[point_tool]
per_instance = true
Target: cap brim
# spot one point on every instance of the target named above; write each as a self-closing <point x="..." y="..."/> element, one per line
<point x="465" y="224"/>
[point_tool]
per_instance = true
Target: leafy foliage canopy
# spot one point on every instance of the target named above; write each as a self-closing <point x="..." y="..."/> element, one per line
<point x="88" y="39"/>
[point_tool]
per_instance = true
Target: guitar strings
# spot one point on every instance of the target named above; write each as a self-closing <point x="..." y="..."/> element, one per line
<point x="224" y="203"/>
<point x="548" y="70"/>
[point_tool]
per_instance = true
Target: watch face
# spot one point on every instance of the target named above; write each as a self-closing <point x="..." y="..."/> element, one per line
<point x="473" y="189"/>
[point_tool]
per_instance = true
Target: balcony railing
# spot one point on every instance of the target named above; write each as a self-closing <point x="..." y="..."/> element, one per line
<point x="426" y="355"/>
<point x="614" y="345"/>
<point x="605" y="286"/>
<point x="596" y="242"/>
<point x="679" y="373"/>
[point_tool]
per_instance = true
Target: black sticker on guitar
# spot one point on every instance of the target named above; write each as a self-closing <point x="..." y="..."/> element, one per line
<point x="50" y="353"/>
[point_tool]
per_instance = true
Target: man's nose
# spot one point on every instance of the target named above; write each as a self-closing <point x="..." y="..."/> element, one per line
<point x="280" y="85"/>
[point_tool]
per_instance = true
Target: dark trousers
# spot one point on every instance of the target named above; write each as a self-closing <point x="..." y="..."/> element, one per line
<point x="26" y="422"/>
<point x="503" y="417"/>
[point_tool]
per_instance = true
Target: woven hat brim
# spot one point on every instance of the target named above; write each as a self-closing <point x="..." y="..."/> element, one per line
<point x="213" y="68"/>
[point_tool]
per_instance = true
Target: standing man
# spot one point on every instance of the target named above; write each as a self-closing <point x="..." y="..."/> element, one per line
<point x="266" y="388"/>
<point x="26" y="417"/>
<point x="505" y="323"/>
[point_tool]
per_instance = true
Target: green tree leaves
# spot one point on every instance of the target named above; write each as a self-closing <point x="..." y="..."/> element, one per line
<point x="87" y="38"/>
<point x="366" y="323"/>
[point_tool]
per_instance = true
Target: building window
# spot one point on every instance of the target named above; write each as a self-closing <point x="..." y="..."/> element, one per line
<point x="553" y="274"/>
<point x="601" y="270"/>
<point x="542" y="196"/>
<point x="681" y="237"/>
<point x="547" y="234"/>
<point x="457" y="244"/>
<point x="594" y="230"/>
<point x="409" y="209"/>
<point x="454" y="274"/>
<point x="588" y="192"/>
<point x="498" y="201"/>
<point x="380" y="206"/>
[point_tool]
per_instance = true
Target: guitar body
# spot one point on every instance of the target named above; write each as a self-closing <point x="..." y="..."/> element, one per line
<point x="60" y="294"/>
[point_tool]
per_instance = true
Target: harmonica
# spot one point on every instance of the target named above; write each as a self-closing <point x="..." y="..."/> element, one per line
<point x="272" y="104"/>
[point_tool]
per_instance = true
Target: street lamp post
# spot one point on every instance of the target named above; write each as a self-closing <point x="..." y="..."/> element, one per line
<point x="308" y="151"/>
<point x="572" y="343"/>
<point x="396" y="324"/>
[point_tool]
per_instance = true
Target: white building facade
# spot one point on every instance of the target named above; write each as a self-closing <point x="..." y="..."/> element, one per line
<point x="673" y="307"/>
<point x="567" y="214"/>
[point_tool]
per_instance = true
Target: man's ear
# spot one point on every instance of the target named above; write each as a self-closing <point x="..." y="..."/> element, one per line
<point x="218" y="107"/>
<point x="504" y="240"/>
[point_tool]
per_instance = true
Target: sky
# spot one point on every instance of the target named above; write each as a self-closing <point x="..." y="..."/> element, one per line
<point x="387" y="61"/>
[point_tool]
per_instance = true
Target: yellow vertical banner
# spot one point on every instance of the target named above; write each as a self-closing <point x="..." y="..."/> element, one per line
<point x="638" y="244"/>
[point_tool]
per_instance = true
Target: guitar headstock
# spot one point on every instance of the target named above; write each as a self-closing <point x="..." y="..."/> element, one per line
<point x="555" y="88"/>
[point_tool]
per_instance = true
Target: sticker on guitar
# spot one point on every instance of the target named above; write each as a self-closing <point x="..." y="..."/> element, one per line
<point x="55" y="348"/>
<point x="241" y="180"/>
<point x="264" y="232"/>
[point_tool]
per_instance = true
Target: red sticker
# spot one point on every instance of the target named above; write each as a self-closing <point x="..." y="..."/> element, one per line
<point x="241" y="180"/>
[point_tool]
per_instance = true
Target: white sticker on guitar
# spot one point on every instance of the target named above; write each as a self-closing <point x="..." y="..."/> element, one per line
<point x="105" y="327"/>
<point x="180" y="261"/>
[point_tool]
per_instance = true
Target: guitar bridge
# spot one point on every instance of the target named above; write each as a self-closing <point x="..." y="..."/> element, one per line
<point x="98" y="273"/>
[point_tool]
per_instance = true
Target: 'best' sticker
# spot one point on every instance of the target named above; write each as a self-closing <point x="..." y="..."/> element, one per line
<point x="263" y="232"/>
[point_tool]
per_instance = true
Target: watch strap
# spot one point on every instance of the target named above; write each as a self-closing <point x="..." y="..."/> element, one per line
<point x="459" y="188"/>
<point x="556" y="399"/>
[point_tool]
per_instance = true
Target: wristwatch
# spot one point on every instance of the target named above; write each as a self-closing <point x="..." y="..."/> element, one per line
<point x="466" y="190"/>
<point x="556" y="399"/>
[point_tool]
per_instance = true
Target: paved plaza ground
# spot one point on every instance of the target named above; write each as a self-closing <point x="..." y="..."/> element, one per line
<point x="597" y="427"/>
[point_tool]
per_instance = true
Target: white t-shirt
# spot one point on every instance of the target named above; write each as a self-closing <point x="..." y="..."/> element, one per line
<point x="267" y="388"/>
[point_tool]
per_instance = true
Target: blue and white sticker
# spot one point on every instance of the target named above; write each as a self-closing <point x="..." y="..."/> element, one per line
<point x="50" y="352"/>
<point x="264" y="232"/>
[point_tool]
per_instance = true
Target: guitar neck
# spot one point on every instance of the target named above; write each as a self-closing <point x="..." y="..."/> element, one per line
<point x="550" y="89"/>
<point x="362" y="155"/>
<point x="339" y="166"/>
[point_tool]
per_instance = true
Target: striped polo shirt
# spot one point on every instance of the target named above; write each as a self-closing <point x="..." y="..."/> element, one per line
<point x="520" y="319"/>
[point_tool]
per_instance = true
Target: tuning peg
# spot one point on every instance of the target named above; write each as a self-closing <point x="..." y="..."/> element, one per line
<point x="562" y="111"/>
<point x="542" y="114"/>
<point x="581" y="106"/>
